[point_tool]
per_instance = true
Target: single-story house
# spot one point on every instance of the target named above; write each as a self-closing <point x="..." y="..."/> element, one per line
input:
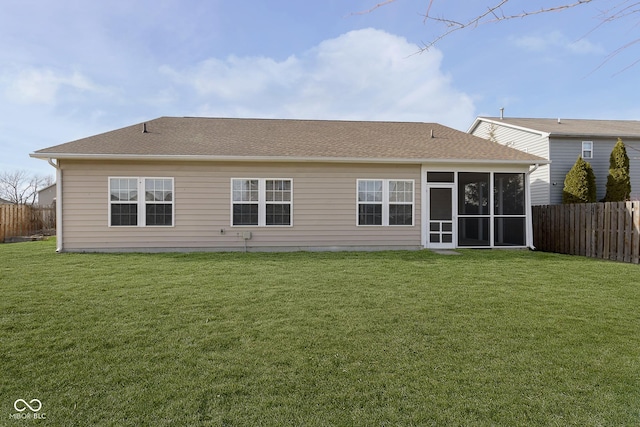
<point x="221" y="184"/>
<point x="47" y="195"/>
<point x="561" y="141"/>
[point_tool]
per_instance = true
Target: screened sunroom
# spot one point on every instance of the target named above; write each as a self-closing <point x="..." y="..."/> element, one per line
<point x="475" y="209"/>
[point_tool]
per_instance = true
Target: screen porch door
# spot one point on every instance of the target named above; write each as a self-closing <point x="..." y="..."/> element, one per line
<point x="440" y="218"/>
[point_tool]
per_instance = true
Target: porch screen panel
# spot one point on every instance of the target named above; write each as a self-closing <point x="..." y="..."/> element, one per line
<point x="473" y="209"/>
<point x="509" y="209"/>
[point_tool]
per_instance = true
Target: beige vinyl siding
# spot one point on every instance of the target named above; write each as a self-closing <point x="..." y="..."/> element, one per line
<point x="565" y="152"/>
<point x="535" y="143"/>
<point x="324" y="207"/>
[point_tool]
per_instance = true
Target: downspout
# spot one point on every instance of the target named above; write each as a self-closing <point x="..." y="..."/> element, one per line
<point x="58" y="204"/>
<point x="423" y="206"/>
<point x="528" y="208"/>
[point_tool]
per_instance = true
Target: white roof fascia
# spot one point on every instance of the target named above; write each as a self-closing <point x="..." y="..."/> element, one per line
<point x="47" y="187"/>
<point x="474" y="125"/>
<point x="509" y="125"/>
<point x="46" y="156"/>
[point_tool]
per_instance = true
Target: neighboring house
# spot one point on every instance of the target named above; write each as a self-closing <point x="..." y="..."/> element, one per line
<point x="184" y="184"/>
<point x="562" y="141"/>
<point x="5" y="202"/>
<point x="47" y="195"/>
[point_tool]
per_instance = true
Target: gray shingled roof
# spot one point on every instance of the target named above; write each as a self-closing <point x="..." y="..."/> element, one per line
<point x="223" y="138"/>
<point x="576" y="127"/>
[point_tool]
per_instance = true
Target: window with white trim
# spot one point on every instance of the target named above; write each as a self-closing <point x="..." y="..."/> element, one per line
<point x="587" y="149"/>
<point x="127" y="208"/>
<point x="261" y="202"/>
<point x="385" y="202"/>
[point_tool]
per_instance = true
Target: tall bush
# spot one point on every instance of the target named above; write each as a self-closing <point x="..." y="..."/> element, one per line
<point x="618" y="180"/>
<point x="579" y="184"/>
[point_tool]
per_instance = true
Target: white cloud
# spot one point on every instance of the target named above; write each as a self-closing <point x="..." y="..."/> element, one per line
<point x="361" y="75"/>
<point x="42" y="86"/>
<point x="557" y="40"/>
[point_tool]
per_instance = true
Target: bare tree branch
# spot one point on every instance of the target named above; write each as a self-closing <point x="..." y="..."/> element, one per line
<point x="493" y="14"/>
<point x="616" y="53"/>
<point x="378" y="6"/>
<point x="496" y="13"/>
<point x="21" y="188"/>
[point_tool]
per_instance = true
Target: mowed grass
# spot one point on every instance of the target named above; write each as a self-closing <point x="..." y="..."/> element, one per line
<point x="319" y="339"/>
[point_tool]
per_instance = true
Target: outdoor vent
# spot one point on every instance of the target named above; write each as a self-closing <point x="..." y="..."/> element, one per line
<point x="144" y="128"/>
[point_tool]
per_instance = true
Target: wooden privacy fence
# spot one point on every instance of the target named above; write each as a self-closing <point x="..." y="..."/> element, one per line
<point x="598" y="230"/>
<point x="26" y="220"/>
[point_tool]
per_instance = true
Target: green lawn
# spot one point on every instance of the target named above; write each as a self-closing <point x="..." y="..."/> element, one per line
<point x="488" y="337"/>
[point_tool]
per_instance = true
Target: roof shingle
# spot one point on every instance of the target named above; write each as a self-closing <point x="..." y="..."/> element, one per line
<point x="287" y="139"/>
<point x="576" y="127"/>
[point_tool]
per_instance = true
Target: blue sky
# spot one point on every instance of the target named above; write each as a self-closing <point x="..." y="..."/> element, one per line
<point x="71" y="69"/>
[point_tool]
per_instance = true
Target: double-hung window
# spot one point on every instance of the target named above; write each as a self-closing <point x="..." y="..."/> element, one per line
<point x="385" y="202"/>
<point x="587" y="149"/>
<point x="158" y="201"/>
<point x="261" y="202"/>
<point x="370" y="202"/>
<point x="128" y="208"/>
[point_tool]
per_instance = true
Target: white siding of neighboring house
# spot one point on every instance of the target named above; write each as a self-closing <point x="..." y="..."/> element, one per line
<point x="565" y="152"/>
<point x="47" y="195"/>
<point x="324" y="207"/>
<point x="530" y="142"/>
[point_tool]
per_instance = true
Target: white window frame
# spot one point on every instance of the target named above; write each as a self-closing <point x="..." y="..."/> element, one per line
<point x="262" y="202"/>
<point x="587" y="147"/>
<point x="141" y="201"/>
<point x="386" y="203"/>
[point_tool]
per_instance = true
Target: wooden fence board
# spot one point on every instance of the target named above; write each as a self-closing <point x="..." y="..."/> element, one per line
<point x="606" y="229"/>
<point x="620" y="232"/>
<point x="635" y="233"/>
<point x="597" y="230"/>
<point x="582" y="230"/>
<point x="572" y="233"/>
<point x="626" y="232"/>
<point x="600" y="212"/>
<point x="25" y="220"/>
<point x="594" y="231"/>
